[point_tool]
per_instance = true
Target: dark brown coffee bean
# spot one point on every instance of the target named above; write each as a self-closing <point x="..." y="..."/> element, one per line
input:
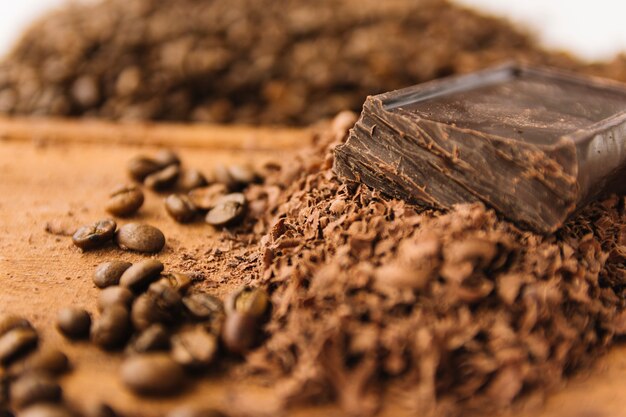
<point x="115" y="295"/>
<point x="180" y="208"/>
<point x="140" y="237"/>
<point x="177" y="280"/>
<point x="17" y="342"/>
<point x="125" y="200"/>
<point x="163" y="179"/>
<point x="228" y="210"/>
<point x="161" y="304"/>
<point x="166" y="157"/>
<point x="48" y="361"/>
<point x="109" y="273"/>
<point x="235" y="177"/>
<point x="9" y="322"/>
<point x="186" y="411"/>
<point x="112" y="329"/>
<point x="205" y="198"/>
<point x="154" y="338"/>
<point x="34" y="388"/>
<point x="139" y="276"/>
<point x="152" y="374"/>
<point x="45" y="410"/>
<point x="191" y="179"/>
<point x="74" y="323"/>
<point x="202" y="306"/>
<point x="248" y="300"/>
<point x="140" y="167"/>
<point x="94" y="235"/>
<point x="240" y="332"/>
<point x="194" y="347"/>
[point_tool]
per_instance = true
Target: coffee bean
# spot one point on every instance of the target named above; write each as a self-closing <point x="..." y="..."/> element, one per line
<point x="166" y="157"/>
<point x="125" y="200"/>
<point x="94" y="235"/>
<point x="48" y="361"/>
<point x="115" y="295"/>
<point x="191" y="179"/>
<point x="194" y="347"/>
<point x="163" y="179"/>
<point x="235" y="177"/>
<point x="139" y="276"/>
<point x="109" y="273"/>
<point x="152" y="374"/>
<point x="177" y="280"/>
<point x="34" y="388"/>
<point x="45" y="410"/>
<point x="73" y="322"/>
<point x="205" y="198"/>
<point x="186" y="411"/>
<point x="9" y="322"/>
<point x="161" y="304"/>
<point x="140" y="237"/>
<point x="180" y="208"/>
<point x="99" y="410"/>
<point x="248" y="300"/>
<point x="112" y="329"/>
<point x="154" y="338"/>
<point x="228" y="210"/>
<point x="140" y="167"/>
<point x="202" y="306"/>
<point x="17" y="342"/>
<point x="240" y="332"/>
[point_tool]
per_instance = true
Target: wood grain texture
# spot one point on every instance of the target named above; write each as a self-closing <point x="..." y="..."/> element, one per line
<point x="63" y="182"/>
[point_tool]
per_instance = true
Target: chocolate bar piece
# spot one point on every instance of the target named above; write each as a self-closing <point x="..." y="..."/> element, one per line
<point x="534" y="144"/>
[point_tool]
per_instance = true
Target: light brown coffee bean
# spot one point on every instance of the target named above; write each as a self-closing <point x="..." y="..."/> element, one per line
<point x="140" y="237"/>
<point x="194" y="347"/>
<point x="177" y="280"/>
<point x="94" y="235"/>
<point x="45" y="410"/>
<point x="187" y="411"/>
<point x="9" y="322"/>
<point x="154" y="338"/>
<point x="163" y="179"/>
<point x="229" y="210"/>
<point x="248" y="300"/>
<point x="109" y="273"/>
<point x="17" y="342"/>
<point x="33" y="388"/>
<point x="152" y="374"/>
<point x="191" y="179"/>
<point x="140" y="167"/>
<point x="125" y="200"/>
<point x="240" y="332"/>
<point x="112" y="329"/>
<point x="166" y="157"/>
<point x="115" y="295"/>
<point x="205" y="198"/>
<point x="139" y="276"/>
<point x="180" y="208"/>
<point x="74" y="323"/>
<point x="48" y="361"/>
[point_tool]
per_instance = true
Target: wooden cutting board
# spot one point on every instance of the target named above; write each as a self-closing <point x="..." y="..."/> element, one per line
<point x="56" y="174"/>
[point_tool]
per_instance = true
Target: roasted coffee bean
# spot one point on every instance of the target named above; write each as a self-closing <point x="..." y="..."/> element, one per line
<point x="202" y="306"/>
<point x="45" y="410"/>
<point x="166" y="157"/>
<point x="112" y="329"/>
<point x="109" y="273"/>
<point x="205" y="198"/>
<point x="115" y="295"/>
<point x="194" y="347"/>
<point x="34" y="388"/>
<point x="248" y="300"/>
<point x="140" y="238"/>
<point x="163" y="179"/>
<point x="177" y="280"/>
<point x="139" y="276"/>
<point x="186" y="411"/>
<point x="17" y="342"/>
<point x="9" y="322"/>
<point x="152" y="374"/>
<point x="235" y="177"/>
<point x="228" y="210"/>
<point x="191" y="179"/>
<point x="74" y="323"/>
<point x="94" y="235"/>
<point x="140" y="167"/>
<point x="48" y="361"/>
<point x="125" y="200"/>
<point x="154" y="338"/>
<point x="162" y="304"/>
<point x="240" y="332"/>
<point x="180" y="208"/>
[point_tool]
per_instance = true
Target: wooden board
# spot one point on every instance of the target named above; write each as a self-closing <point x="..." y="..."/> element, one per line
<point x="59" y="172"/>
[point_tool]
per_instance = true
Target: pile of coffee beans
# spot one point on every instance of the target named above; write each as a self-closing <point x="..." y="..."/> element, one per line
<point x="136" y="237"/>
<point x="28" y="376"/>
<point x="167" y="330"/>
